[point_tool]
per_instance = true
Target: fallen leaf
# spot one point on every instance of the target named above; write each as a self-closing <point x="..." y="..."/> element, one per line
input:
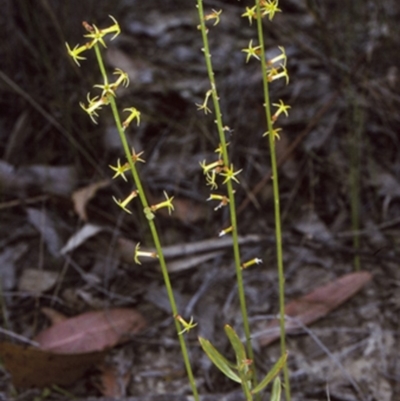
<point x="8" y="258"/>
<point x="47" y="224"/>
<point x="86" y="232"/>
<point x="32" y="367"/>
<point x="36" y="281"/>
<point x="113" y="382"/>
<point x="53" y="315"/>
<point x="82" y="196"/>
<point x="91" y="331"/>
<point x="316" y="304"/>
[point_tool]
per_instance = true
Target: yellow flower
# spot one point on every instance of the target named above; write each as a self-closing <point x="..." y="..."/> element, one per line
<point x="252" y="51"/>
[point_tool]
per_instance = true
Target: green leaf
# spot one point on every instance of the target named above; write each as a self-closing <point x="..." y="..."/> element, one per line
<point x="219" y="360"/>
<point x="276" y="390"/>
<point x="271" y="374"/>
<point x="237" y="345"/>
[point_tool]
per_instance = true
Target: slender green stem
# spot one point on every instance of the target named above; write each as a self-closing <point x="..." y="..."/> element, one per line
<point x="153" y="230"/>
<point x="231" y="197"/>
<point x="275" y="185"/>
<point x="101" y="63"/>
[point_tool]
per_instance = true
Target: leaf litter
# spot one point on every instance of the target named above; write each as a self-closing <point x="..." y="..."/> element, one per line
<point x="361" y="333"/>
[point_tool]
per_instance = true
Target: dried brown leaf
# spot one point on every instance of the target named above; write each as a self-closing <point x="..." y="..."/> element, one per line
<point x="32" y="367"/>
<point x="82" y="196"/>
<point x="113" y="382"/>
<point x="316" y="304"/>
<point x="53" y="315"/>
<point x="36" y="281"/>
<point x="91" y="331"/>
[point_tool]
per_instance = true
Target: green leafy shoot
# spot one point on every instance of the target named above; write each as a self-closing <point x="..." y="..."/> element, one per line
<point x="219" y="360"/>
<point x="271" y="374"/>
<point x="276" y="390"/>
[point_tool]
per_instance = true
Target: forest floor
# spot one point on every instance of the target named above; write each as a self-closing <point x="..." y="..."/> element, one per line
<point x="66" y="249"/>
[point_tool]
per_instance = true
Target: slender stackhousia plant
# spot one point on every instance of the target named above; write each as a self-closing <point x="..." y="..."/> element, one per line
<point x="241" y="372"/>
<point x="107" y="97"/>
<point x="272" y="70"/>
<point x="224" y="167"/>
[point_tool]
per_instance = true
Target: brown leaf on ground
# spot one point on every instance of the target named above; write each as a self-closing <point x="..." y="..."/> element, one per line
<point x="54" y="316"/>
<point x="91" y="331"/>
<point x="316" y="304"/>
<point x="82" y="196"/>
<point x="32" y="367"/>
<point x="113" y="382"/>
<point x="36" y="281"/>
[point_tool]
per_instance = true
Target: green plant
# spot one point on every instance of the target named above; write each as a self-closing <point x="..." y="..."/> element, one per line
<point x="271" y="70"/>
<point x="241" y="372"/>
<point x="222" y="169"/>
<point x="107" y="97"/>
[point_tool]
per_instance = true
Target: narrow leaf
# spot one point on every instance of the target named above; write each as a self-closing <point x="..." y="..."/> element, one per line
<point x="219" y="360"/>
<point x="271" y="374"/>
<point x="236" y="345"/>
<point x="276" y="390"/>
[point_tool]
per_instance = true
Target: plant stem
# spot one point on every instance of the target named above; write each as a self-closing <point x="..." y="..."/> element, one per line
<point x="153" y="229"/>
<point x="231" y="197"/>
<point x="275" y="185"/>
